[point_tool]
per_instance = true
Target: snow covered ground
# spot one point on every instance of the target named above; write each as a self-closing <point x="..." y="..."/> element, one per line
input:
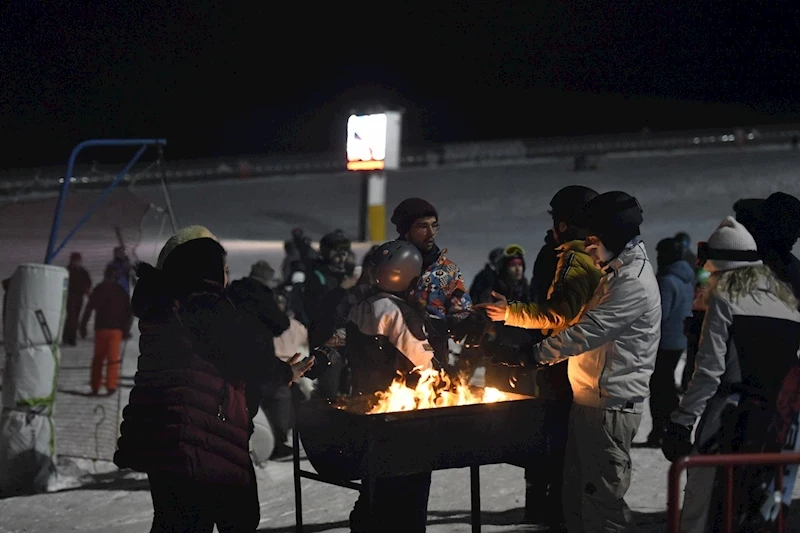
<point x="484" y="207"/>
<point x="479" y="208"/>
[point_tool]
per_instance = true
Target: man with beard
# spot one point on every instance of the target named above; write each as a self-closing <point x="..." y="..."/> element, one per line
<point x="440" y="289"/>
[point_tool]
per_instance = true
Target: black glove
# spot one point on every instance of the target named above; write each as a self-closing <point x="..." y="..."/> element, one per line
<point x="324" y="356"/>
<point x="473" y="328"/>
<point x="507" y="355"/>
<point x="677" y="441"/>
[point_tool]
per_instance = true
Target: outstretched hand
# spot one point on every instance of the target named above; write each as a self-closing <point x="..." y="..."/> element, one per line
<point x="495" y="311"/>
<point x="299" y="368"/>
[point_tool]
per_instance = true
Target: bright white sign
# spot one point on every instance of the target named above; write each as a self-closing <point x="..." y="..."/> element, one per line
<point x="373" y="141"/>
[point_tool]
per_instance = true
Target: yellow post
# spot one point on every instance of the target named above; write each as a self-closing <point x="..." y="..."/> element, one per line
<point x="376" y="207"/>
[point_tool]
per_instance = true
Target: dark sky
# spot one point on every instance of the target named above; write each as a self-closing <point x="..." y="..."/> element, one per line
<point x="215" y="79"/>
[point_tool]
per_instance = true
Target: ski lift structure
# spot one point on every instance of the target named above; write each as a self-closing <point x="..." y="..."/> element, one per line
<point x="53" y="246"/>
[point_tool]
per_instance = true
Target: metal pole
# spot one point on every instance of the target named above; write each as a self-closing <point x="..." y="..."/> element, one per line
<point x="376" y="206"/>
<point x="167" y="196"/>
<point x="298" y="494"/>
<point x="363" y="208"/>
<point x="62" y="198"/>
<point x="674" y="494"/>
<point x="475" y="493"/>
<point x="99" y="200"/>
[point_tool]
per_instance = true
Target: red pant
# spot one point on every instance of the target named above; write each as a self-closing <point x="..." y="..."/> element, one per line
<point x="107" y="343"/>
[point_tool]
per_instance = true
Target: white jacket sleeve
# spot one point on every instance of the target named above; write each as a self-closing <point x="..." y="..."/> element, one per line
<point x="710" y="362"/>
<point x="393" y="326"/>
<point x="619" y="307"/>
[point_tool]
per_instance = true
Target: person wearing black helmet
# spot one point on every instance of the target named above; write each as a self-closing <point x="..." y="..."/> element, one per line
<point x="326" y="283"/>
<point x="611" y="350"/>
<point x="573" y="280"/>
<point x="386" y="335"/>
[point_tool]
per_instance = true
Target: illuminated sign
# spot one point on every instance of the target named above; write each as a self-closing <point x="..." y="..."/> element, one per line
<point x="373" y="141"/>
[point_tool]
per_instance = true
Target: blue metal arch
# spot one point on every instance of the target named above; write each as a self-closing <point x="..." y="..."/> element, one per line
<point x="52" y="249"/>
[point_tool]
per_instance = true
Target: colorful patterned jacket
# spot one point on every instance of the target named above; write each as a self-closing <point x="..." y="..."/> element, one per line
<point x="442" y="292"/>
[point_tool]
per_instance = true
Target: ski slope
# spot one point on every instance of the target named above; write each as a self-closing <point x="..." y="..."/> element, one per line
<point x="483" y="207"/>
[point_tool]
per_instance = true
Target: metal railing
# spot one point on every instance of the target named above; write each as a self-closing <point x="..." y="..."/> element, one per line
<point x="486" y="152"/>
<point x="728" y="462"/>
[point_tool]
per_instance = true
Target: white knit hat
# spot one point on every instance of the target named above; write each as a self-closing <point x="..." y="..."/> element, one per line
<point x="731" y="246"/>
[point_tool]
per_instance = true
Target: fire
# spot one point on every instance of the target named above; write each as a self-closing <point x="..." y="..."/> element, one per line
<point x="434" y="389"/>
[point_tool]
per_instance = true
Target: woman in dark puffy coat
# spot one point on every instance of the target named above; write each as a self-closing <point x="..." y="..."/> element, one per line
<point x="187" y="424"/>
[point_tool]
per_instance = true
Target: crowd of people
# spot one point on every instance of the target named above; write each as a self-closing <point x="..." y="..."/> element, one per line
<point x="598" y="330"/>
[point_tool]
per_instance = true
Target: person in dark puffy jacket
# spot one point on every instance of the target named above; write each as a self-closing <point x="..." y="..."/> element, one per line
<point x="187" y="424"/>
<point x="676" y="284"/>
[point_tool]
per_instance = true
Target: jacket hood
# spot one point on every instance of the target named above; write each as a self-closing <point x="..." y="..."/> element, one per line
<point x="680" y="269"/>
<point x="155" y="293"/>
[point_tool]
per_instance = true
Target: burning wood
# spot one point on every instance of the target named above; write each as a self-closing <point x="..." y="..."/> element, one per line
<point x="433" y="389"/>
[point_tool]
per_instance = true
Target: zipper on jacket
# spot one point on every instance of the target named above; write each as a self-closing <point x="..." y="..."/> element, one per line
<point x="600" y="379"/>
<point x="223" y="399"/>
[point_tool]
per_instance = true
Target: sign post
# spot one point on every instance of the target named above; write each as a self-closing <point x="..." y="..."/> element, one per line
<point x="373" y="147"/>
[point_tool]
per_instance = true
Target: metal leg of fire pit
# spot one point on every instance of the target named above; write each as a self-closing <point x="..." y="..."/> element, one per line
<point x="300" y="474"/>
<point x="298" y="495"/>
<point x="475" y="496"/>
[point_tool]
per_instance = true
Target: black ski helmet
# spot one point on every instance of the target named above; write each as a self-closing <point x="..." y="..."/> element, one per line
<point x="569" y="201"/>
<point x="394" y="265"/>
<point x="614" y="217"/>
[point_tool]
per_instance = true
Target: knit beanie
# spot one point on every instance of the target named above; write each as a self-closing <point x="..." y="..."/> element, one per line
<point x="262" y="272"/>
<point x="183" y="236"/>
<point x="731" y="246"/>
<point x="410" y="210"/>
<point x="195" y="261"/>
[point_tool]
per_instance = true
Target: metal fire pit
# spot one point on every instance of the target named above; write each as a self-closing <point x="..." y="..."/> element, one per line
<point x="343" y="444"/>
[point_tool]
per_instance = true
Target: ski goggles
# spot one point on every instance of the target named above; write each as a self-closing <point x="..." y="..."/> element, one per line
<point x="514" y="250"/>
<point x="706" y="253"/>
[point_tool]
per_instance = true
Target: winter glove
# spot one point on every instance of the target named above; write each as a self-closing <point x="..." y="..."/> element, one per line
<point x="677" y="441"/>
<point x="324" y="357"/>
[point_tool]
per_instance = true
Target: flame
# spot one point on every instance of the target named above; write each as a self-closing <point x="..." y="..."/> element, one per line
<point x="434" y="389"/>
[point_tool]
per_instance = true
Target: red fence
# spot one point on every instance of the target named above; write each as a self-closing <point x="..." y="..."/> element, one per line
<point x="728" y="461"/>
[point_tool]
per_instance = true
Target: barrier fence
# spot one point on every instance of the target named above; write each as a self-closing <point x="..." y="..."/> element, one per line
<point x="728" y="462"/>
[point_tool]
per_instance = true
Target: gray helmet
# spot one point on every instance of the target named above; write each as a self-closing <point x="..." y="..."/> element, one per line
<point x="394" y="265"/>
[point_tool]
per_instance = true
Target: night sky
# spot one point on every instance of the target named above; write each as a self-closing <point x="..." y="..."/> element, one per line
<point x="218" y="79"/>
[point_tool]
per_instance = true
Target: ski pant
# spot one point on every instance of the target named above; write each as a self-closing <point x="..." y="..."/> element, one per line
<point x="183" y="505"/>
<point x="107" y="346"/>
<point x="701" y="501"/>
<point x="597" y="470"/>
<point x="398" y="505"/>
<point x="72" y="320"/>
<point x="663" y="395"/>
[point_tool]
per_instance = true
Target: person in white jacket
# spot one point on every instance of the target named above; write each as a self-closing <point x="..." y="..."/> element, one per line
<point x="386" y="335"/>
<point x="612" y="353"/>
<point x="748" y="344"/>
